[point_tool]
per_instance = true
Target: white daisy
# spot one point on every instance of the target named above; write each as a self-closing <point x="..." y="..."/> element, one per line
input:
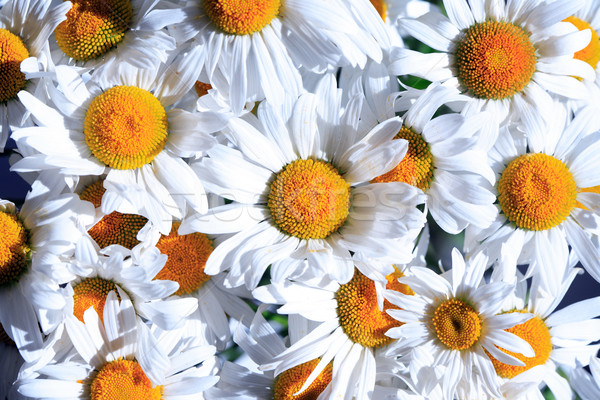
<point x="25" y="26"/>
<point x="587" y="386"/>
<point x="253" y="48"/>
<point x="560" y="339"/>
<point x="455" y="317"/>
<point x="103" y="36"/>
<point x="503" y="56"/>
<point x="127" y="131"/>
<point x="302" y="192"/>
<point x="121" y="357"/>
<point x="352" y="325"/>
<point x="546" y="197"/>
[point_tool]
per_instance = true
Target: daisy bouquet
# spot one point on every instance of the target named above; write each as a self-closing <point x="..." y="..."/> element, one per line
<point x="285" y="199"/>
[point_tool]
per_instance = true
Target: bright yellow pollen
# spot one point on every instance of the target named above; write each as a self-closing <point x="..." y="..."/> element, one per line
<point x="495" y="60"/>
<point x="241" y="17"/>
<point x="114" y="228"/>
<point x="536" y="333"/>
<point x="309" y="199"/>
<point x="12" y="52"/>
<point x="14" y="248"/>
<point x="416" y="168"/>
<point x="93" y="27"/>
<point x="381" y="7"/>
<point x="359" y="314"/>
<point x="91" y="292"/>
<point x="537" y="191"/>
<point x="123" y="380"/>
<point x="290" y="381"/>
<point x="456" y="324"/>
<point x="591" y="53"/>
<point x="187" y="255"/>
<point x="202" y="88"/>
<point x="125" y="127"/>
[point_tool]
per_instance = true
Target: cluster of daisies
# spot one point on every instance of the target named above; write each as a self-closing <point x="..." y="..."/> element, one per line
<point x="197" y="165"/>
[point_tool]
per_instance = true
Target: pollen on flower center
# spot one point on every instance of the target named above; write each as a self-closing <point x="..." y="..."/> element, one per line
<point x="93" y="27"/>
<point x="14" y="248"/>
<point x="202" y="88"/>
<point x="12" y="52"/>
<point x="456" y="324"/>
<point x="116" y="227"/>
<point x="591" y="53"/>
<point x="381" y="7"/>
<point x="537" y="191"/>
<point x="241" y="17"/>
<point x="91" y="292"/>
<point x="536" y="333"/>
<point x="359" y="314"/>
<point x="187" y="255"/>
<point x="123" y="380"/>
<point x="495" y="60"/>
<point x="125" y="127"/>
<point x="291" y="380"/>
<point x="309" y="199"/>
<point x="416" y="168"/>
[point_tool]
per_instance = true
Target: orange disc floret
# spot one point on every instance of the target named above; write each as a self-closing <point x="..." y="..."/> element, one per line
<point x="359" y="314"/>
<point x="309" y="199"/>
<point x="416" y="168"/>
<point x="187" y="255"/>
<point x="125" y="127"/>
<point x="91" y="292"/>
<point x="241" y="17"/>
<point x="381" y="7"/>
<point x="291" y="380"/>
<point x="536" y="333"/>
<point x="495" y="60"/>
<point x="537" y="191"/>
<point x="14" y="248"/>
<point x="202" y="88"/>
<point x="123" y="380"/>
<point x="116" y="227"/>
<point x="591" y="53"/>
<point x="93" y="27"/>
<point x="456" y="324"/>
<point x="12" y="53"/>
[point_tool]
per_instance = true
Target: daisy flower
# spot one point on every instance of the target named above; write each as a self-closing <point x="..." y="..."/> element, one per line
<point x="352" y="325"/>
<point x="587" y="386"/>
<point x="253" y="48"/>
<point x="546" y="179"/>
<point x="126" y="131"/>
<point x="455" y="317"/>
<point x="504" y="57"/>
<point x="105" y="35"/>
<point x="25" y="26"/>
<point x="300" y="192"/>
<point x="121" y="358"/>
<point x="32" y="241"/>
<point x="560" y="339"/>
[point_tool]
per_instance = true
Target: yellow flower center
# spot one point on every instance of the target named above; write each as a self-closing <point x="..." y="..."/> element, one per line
<point x="290" y="381"/>
<point x="593" y="189"/>
<point x="12" y="52"/>
<point x="309" y="199"/>
<point x="591" y="53"/>
<point x="536" y="333"/>
<point x="125" y="127"/>
<point x="202" y="88"/>
<point x="91" y="292"/>
<point x="241" y="17"/>
<point x="537" y="191"/>
<point x="456" y="324"/>
<point x="416" y="168"/>
<point x="381" y="7"/>
<point x="123" y="380"/>
<point x="495" y="60"/>
<point x="93" y="27"/>
<point x="359" y="314"/>
<point x="14" y="248"/>
<point x="114" y="228"/>
<point x="187" y="255"/>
